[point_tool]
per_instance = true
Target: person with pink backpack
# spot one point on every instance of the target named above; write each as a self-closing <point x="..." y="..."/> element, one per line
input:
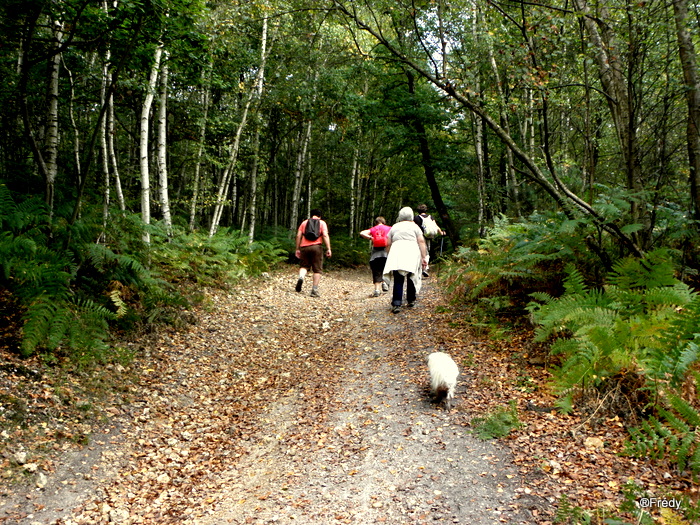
<point x="377" y="234"/>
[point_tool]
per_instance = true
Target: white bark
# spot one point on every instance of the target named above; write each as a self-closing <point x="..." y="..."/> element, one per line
<point x="256" y="143"/>
<point x="103" y="139"/>
<point x="143" y="142"/>
<point x="109" y="157"/>
<point x="162" y="147"/>
<point x="353" y="190"/>
<point x="52" y="120"/>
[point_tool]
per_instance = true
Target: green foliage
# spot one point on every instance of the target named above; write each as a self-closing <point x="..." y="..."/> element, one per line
<point x="570" y="514"/>
<point x="348" y="252"/>
<point x="625" y="327"/>
<point x="673" y="437"/>
<point x="644" y="323"/>
<point x="498" y="423"/>
<point x="71" y="289"/>
<point x="515" y="259"/>
<point x="216" y="261"/>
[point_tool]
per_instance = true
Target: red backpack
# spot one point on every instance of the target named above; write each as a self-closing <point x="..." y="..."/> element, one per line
<point x="379" y="237"/>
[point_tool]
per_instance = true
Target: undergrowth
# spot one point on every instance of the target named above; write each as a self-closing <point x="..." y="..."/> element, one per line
<point x="622" y="333"/>
<point x="498" y="423"/>
<point x="76" y="284"/>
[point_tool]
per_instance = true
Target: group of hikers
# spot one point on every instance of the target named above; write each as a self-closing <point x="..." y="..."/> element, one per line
<point x="400" y="251"/>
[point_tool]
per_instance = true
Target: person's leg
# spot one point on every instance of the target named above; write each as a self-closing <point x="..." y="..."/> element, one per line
<point x="317" y="269"/>
<point x="427" y="251"/>
<point x="300" y="280"/>
<point x="410" y="290"/>
<point x="377" y="266"/>
<point x="397" y="296"/>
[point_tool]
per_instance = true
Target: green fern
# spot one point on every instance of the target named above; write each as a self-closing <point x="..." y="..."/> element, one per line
<point x="630" y="325"/>
<point x="673" y="437"/>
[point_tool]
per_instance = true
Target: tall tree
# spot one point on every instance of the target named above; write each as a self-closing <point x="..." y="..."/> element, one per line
<point x="144" y="136"/>
<point x="691" y="76"/>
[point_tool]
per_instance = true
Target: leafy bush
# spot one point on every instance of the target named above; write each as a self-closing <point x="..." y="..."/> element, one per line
<point x="641" y="329"/>
<point x="515" y="259"/>
<point x="621" y="328"/>
<point x="216" y="261"/>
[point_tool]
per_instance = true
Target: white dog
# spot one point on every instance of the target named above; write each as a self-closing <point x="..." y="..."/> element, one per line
<point x="443" y="376"/>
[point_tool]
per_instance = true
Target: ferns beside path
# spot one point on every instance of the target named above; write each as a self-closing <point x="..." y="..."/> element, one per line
<point x="74" y="291"/>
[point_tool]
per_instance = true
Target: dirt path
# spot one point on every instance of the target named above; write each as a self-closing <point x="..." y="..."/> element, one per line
<point x="281" y="408"/>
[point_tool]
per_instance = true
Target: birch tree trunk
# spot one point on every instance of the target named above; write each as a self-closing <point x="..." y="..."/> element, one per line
<point x="353" y="190"/>
<point x="304" y="138"/>
<point x="74" y="124"/>
<point x="230" y="168"/>
<point x="51" y="144"/>
<point x="252" y="210"/>
<point x="256" y="141"/>
<point x="143" y="142"/>
<point x="162" y="147"/>
<point x="104" y="148"/>
<point x="479" y="146"/>
<point x="108" y="151"/>
<point x="691" y="76"/>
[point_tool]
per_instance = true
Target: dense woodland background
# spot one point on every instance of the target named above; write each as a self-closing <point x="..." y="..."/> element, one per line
<point x="148" y="146"/>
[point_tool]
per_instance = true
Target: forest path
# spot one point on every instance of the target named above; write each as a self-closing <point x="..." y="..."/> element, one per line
<point x="281" y="408"/>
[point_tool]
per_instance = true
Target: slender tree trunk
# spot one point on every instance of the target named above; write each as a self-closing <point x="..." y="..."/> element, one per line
<point x="615" y="86"/>
<point x="162" y="147"/>
<point x="143" y="142"/>
<point x="113" y="154"/>
<point x="206" y="96"/>
<point x="74" y="125"/>
<point x="256" y="142"/>
<point x="230" y="169"/>
<point x="304" y="138"/>
<point x="511" y="183"/>
<point x="110" y="165"/>
<point x="104" y="149"/>
<point x="353" y="190"/>
<point x="52" y="120"/>
<point x="481" y="180"/>
<point x="691" y="76"/>
<point x="254" y="182"/>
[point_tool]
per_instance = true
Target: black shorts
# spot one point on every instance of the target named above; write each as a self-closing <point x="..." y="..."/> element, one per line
<point x="312" y="257"/>
<point x="377" y="266"/>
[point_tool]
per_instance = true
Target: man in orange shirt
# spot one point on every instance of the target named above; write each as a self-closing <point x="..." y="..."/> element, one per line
<point x="312" y="234"/>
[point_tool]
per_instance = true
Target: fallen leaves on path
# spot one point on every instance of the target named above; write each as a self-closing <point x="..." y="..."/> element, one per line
<point x="272" y="390"/>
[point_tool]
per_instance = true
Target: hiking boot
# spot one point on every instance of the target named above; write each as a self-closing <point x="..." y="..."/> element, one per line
<point x="314" y="292"/>
<point x="411" y="304"/>
<point x="376" y="293"/>
<point x="385" y="286"/>
<point x="300" y="282"/>
<point x="396" y="309"/>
